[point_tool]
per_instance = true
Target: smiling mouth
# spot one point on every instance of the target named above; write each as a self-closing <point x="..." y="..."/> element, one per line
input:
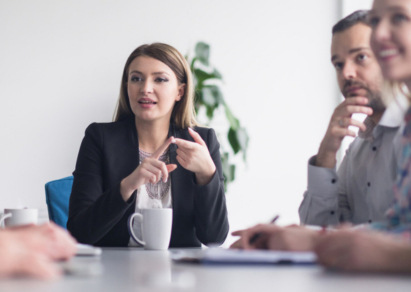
<point x="388" y="53"/>
<point x="146" y="102"/>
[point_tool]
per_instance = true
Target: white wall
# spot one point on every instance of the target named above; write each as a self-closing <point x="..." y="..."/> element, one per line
<point x="349" y="6"/>
<point x="60" y="69"/>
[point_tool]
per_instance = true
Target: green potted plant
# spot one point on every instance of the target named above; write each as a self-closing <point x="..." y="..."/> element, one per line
<point x="209" y="101"/>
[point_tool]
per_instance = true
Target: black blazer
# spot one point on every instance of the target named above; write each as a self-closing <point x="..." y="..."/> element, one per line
<point x="98" y="214"/>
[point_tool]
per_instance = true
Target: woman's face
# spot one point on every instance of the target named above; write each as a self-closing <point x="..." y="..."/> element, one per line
<point x="152" y="89"/>
<point x="391" y="38"/>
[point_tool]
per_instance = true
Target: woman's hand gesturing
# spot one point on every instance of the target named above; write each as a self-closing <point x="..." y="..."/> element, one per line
<point x="194" y="156"/>
<point x="149" y="171"/>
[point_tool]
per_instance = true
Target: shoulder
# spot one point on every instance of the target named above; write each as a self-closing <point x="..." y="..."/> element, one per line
<point x="108" y="127"/>
<point x="204" y="132"/>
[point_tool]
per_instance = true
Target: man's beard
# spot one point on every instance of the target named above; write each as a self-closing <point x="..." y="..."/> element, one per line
<point x="375" y="102"/>
<point x="374" y="97"/>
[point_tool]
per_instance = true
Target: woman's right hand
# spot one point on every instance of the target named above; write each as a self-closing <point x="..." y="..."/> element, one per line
<point x="149" y="171"/>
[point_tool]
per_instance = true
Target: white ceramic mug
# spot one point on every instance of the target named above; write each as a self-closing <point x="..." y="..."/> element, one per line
<point x="155" y="227"/>
<point x="17" y="217"/>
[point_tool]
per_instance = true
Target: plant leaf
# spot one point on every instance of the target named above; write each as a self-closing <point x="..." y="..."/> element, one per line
<point x="226" y="169"/>
<point x="232" y="172"/>
<point x="202" y="52"/>
<point x="198" y="100"/>
<point x="210" y="112"/>
<point x="209" y="98"/>
<point x="218" y="95"/>
<point x="233" y="139"/>
<point x="234" y="123"/>
<point x="217" y="74"/>
<point x="243" y="138"/>
<point x="203" y="76"/>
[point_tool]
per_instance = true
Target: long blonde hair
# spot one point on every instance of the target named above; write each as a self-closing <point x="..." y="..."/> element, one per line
<point x="183" y="114"/>
<point x="392" y="90"/>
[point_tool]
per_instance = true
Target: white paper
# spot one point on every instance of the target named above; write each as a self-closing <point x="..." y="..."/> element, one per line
<point x="236" y="256"/>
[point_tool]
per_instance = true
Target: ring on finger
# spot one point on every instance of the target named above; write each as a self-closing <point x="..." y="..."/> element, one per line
<point x="341" y="122"/>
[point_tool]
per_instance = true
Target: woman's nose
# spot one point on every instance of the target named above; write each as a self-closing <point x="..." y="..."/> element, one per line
<point x="147" y="87"/>
<point x="381" y="32"/>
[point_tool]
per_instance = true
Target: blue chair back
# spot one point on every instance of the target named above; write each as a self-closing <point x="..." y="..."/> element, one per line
<point x="57" y="199"/>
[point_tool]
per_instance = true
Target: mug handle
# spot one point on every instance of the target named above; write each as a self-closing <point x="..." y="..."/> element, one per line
<point x="3" y="217"/>
<point x="130" y="227"/>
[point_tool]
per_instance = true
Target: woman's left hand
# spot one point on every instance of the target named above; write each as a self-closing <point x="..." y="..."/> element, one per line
<point x="194" y="156"/>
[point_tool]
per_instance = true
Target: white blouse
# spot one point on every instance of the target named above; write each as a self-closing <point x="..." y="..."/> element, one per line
<point x="145" y="201"/>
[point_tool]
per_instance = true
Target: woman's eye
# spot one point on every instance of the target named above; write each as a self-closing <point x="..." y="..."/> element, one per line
<point x="135" y="79"/>
<point x="398" y="18"/>
<point x="373" y="21"/>
<point x="160" y="79"/>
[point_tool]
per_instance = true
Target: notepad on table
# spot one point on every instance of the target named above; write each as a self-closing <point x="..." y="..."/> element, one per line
<point x="88" y="250"/>
<point x="236" y="256"/>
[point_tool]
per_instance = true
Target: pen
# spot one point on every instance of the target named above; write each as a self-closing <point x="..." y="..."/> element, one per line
<point x="259" y="234"/>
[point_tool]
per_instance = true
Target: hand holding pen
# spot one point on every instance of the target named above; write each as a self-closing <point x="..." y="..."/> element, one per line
<point x="249" y="237"/>
<point x="274" y="237"/>
<point x="257" y="235"/>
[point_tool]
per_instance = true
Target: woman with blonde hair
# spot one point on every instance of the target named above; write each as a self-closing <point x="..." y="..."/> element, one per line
<point x="153" y="155"/>
<point x="356" y="250"/>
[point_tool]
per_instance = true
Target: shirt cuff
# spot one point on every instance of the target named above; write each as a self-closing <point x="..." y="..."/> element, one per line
<point x="321" y="180"/>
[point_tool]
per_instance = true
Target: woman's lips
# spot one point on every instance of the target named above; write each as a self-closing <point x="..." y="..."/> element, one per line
<point x="146" y="101"/>
<point x="387" y="54"/>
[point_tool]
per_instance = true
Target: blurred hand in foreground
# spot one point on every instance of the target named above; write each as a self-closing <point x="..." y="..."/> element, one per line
<point x="270" y="236"/>
<point x="31" y="250"/>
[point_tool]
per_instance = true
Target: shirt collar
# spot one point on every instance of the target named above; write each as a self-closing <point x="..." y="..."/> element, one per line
<point x="392" y="117"/>
<point x="394" y="114"/>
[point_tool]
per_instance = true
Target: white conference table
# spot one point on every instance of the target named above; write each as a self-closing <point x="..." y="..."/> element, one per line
<point x="135" y="269"/>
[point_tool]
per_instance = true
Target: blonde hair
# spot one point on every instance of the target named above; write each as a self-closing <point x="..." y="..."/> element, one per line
<point x="183" y="114"/>
<point x="392" y="89"/>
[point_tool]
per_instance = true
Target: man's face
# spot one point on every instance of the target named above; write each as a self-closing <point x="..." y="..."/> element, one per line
<point x="358" y="72"/>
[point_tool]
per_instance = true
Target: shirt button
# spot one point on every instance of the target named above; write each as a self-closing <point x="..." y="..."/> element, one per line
<point x="368" y="184"/>
<point x="370" y="221"/>
<point x="333" y="181"/>
<point x="374" y="148"/>
<point x="332" y="212"/>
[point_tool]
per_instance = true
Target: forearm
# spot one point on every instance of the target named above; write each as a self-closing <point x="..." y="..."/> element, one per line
<point x="211" y="221"/>
<point x="326" y="157"/>
<point x="320" y="202"/>
<point x="398" y="259"/>
<point x="210" y="210"/>
<point x="89" y="221"/>
<point x="314" y="210"/>
<point x="205" y="178"/>
<point x="96" y="204"/>
<point x="126" y="189"/>
<point x="7" y="253"/>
